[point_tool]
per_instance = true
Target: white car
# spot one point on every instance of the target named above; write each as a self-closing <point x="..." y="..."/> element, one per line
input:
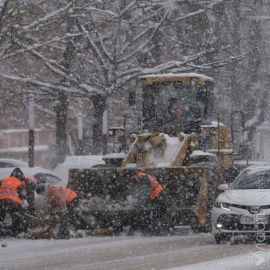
<point x="76" y="162"/>
<point x="7" y="165"/>
<point x="243" y="209"/>
<point x="9" y="162"/>
<point x="52" y="177"/>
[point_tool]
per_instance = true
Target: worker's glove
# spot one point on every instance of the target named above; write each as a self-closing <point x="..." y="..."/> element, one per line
<point x="52" y="223"/>
<point x="140" y="207"/>
<point x="33" y="212"/>
<point x="63" y="215"/>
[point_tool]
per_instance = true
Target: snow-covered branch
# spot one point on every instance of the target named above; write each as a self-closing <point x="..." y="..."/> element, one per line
<point x="142" y="46"/>
<point x="47" y="18"/>
<point x="97" y="53"/>
<point x="220" y="63"/>
<point x="80" y="89"/>
<point x="38" y="46"/>
<point x="37" y="83"/>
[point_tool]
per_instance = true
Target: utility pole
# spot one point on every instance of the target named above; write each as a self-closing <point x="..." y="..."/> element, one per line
<point x="80" y="132"/>
<point x="104" y="132"/>
<point x="31" y="138"/>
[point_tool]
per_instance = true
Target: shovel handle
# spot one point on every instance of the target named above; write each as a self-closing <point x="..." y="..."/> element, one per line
<point x="33" y="217"/>
<point x="110" y="230"/>
<point x="124" y="217"/>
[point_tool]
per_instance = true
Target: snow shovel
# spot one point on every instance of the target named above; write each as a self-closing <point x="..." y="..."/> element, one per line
<point x="38" y="219"/>
<point x="42" y="234"/>
<point x="33" y="217"/>
<point x="109" y="231"/>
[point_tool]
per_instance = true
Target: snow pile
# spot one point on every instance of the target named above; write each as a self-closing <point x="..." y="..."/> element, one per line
<point x="245" y="261"/>
<point x="172" y="148"/>
<point x="100" y="204"/>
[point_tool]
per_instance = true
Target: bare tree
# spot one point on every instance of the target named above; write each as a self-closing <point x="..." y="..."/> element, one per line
<point x="93" y="49"/>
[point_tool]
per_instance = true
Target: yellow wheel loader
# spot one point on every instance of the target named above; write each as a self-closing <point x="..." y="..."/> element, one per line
<point x="182" y="144"/>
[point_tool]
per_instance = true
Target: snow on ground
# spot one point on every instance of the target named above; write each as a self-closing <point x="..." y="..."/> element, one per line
<point x="249" y="261"/>
<point x="184" y="251"/>
<point x="84" y="253"/>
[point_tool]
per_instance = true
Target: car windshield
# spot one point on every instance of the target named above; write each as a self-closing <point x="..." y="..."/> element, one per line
<point x="253" y="179"/>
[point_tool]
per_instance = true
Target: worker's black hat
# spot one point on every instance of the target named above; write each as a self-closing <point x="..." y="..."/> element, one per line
<point x="41" y="178"/>
<point x="17" y="173"/>
<point x="173" y="99"/>
<point x="131" y="173"/>
<point x="40" y="188"/>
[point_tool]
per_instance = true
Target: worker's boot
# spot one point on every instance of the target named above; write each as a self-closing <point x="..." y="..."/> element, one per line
<point x="61" y="236"/>
<point x="63" y="231"/>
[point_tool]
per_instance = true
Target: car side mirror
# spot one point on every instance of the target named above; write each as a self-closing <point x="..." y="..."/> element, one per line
<point x="223" y="187"/>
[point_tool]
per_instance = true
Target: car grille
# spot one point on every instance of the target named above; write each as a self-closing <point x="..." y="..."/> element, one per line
<point x="248" y="207"/>
<point x="232" y="222"/>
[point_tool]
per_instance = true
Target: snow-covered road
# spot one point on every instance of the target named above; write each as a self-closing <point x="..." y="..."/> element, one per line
<point x="127" y="252"/>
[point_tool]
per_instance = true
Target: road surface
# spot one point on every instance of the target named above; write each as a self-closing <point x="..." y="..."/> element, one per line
<point x="118" y="252"/>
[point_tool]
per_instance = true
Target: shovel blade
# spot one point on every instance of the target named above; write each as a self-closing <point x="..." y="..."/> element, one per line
<point x="42" y="234"/>
<point x="104" y="231"/>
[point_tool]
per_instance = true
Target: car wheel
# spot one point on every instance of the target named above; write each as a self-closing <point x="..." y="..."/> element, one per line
<point x="222" y="238"/>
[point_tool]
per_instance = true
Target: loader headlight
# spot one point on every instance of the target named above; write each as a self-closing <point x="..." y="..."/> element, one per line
<point x="221" y="205"/>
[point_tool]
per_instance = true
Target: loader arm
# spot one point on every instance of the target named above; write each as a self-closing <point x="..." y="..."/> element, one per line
<point x="156" y="143"/>
<point x="138" y="154"/>
<point x="188" y="145"/>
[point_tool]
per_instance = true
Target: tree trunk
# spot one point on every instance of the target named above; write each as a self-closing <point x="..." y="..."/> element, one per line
<point x="61" y="107"/>
<point x="99" y="103"/>
<point x="236" y="101"/>
<point x="61" y="124"/>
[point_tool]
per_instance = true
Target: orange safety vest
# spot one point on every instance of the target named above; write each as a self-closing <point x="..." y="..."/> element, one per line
<point x="8" y="189"/>
<point x="155" y="188"/>
<point x="32" y="177"/>
<point x="68" y="194"/>
<point x="177" y="112"/>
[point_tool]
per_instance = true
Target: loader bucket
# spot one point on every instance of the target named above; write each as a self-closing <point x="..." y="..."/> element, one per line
<point x="106" y="195"/>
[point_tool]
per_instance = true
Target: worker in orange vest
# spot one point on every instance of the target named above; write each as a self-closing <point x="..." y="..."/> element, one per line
<point x="173" y="111"/>
<point x="11" y="195"/>
<point x="29" y="185"/>
<point x="150" y="195"/>
<point x="63" y="198"/>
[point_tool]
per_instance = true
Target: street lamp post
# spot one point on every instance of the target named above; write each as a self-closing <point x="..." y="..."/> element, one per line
<point x="104" y="132"/>
<point x="31" y="132"/>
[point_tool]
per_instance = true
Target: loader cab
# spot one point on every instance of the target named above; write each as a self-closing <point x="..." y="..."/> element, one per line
<point x="193" y="98"/>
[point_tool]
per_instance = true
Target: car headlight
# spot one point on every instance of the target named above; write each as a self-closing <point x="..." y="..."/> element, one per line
<point x="222" y="205"/>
